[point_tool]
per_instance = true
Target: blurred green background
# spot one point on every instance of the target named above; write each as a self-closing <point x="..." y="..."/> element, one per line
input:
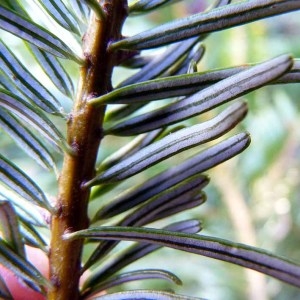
<point x="253" y="198"/>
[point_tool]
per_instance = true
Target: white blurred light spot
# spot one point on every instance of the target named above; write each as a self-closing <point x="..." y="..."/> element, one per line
<point x="282" y="206"/>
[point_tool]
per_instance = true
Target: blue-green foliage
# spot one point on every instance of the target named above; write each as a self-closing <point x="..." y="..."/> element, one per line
<point x="31" y="113"/>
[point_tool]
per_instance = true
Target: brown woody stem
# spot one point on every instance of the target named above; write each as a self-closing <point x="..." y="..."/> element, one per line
<point x="84" y="135"/>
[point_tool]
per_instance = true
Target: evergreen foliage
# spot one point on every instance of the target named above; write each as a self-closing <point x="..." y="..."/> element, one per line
<point x="84" y="217"/>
